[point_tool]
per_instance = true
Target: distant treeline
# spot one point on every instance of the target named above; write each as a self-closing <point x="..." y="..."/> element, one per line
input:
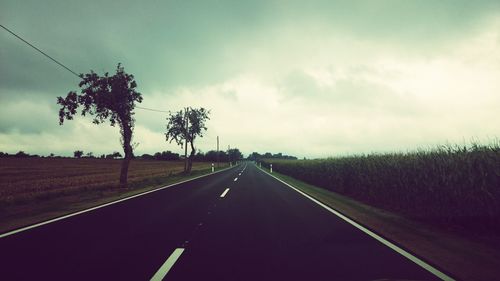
<point x="453" y="184"/>
<point x="210" y="156"/>
<point x="269" y="155"/>
<point x="76" y="154"/>
<point x="20" y="154"/>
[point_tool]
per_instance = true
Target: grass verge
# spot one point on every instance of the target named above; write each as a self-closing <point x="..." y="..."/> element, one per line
<point x="466" y="259"/>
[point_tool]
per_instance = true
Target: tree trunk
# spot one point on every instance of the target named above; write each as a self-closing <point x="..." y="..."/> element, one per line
<point x="126" y="130"/>
<point x="190" y="159"/>
<point x="124" y="172"/>
<point x="186" y="161"/>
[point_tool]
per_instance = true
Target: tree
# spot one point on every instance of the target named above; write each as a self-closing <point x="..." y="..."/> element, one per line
<point x="110" y="98"/>
<point x="113" y="155"/>
<point x="211" y="156"/>
<point x="165" y="155"/>
<point x="267" y="155"/>
<point x="169" y="155"/>
<point x="254" y="156"/>
<point x="147" y="156"/>
<point x="234" y="154"/>
<point x="185" y="126"/>
<point x="77" y="153"/>
<point x="21" y="154"/>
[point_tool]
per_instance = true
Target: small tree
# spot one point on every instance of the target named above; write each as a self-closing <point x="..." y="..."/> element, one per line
<point x="77" y="153"/>
<point x="21" y="154"/>
<point x="116" y="154"/>
<point x="110" y="98"/>
<point x="185" y="126"/>
<point x="234" y="154"/>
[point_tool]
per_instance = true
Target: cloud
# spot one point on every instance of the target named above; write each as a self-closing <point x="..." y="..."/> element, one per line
<point x="315" y="78"/>
<point x="27" y="116"/>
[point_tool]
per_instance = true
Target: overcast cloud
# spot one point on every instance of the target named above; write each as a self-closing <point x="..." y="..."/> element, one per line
<point x="307" y="78"/>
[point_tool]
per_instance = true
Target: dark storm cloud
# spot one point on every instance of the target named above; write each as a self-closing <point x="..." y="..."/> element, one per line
<point x="160" y="42"/>
<point x="172" y="43"/>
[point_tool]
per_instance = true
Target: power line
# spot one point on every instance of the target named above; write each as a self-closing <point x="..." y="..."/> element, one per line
<point x="150" y="109"/>
<point x="62" y="65"/>
<point x="42" y="52"/>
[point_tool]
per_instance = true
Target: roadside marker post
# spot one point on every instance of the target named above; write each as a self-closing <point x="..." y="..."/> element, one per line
<point x="271" y="165"/>
<point x="213" y="167"/>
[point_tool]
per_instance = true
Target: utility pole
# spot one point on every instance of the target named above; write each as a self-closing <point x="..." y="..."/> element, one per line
<point x="217" y="151"/>
<point x="186" y="111"/>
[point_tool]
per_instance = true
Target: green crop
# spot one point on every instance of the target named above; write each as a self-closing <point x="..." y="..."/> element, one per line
<point x="458" y="185"/>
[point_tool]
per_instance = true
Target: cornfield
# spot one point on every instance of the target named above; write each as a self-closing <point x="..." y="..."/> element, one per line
<point x="457" y="185"/>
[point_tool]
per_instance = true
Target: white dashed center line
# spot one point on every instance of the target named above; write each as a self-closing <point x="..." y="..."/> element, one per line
<point x="224" y="193"/>
<point x="235" y="179"/>
<point x="165" y="268"/>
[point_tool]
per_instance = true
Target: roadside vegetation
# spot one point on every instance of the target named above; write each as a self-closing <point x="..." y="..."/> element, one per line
<point x="455" y="186"/>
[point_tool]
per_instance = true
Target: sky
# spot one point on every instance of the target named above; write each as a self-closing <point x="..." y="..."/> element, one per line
<point x="305" y="78"/>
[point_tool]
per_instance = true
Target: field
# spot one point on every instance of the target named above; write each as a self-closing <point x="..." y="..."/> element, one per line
<point x="23" y="179"/>
<point x="454" y="186"/>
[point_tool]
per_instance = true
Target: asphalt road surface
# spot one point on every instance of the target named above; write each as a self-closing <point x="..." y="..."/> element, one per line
<point x="239" y="224"/>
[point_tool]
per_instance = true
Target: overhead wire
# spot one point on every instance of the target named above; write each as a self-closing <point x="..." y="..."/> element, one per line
<point x="42" y="52"/>
<point x="64" y="66"/>
<point x="151" y="109"/>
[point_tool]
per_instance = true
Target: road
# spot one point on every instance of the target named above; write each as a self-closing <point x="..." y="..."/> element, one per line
<point x="239" y="224"/>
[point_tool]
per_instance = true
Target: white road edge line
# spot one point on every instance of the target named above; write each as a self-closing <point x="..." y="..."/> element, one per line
<point x="101" y="206"/>
<point x="235" y="179"/>
<point x="224" y="193"/>
<point x="389" y="244"/>
<point x="165" y="268"/>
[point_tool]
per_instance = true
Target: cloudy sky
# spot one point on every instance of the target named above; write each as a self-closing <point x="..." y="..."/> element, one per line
<point x="306" y="78"/>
